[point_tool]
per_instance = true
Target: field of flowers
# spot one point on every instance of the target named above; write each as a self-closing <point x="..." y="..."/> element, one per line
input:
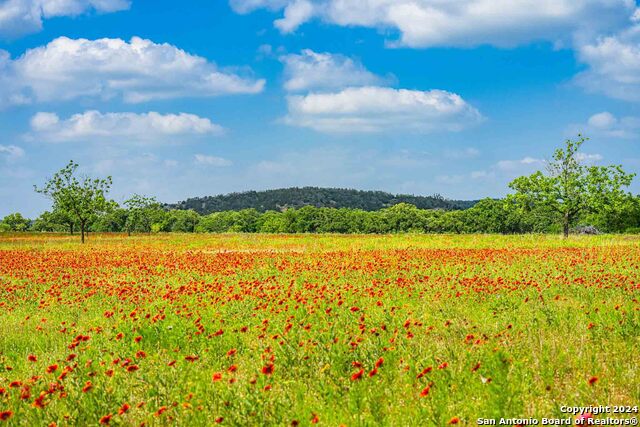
<point x="296" y="330"/>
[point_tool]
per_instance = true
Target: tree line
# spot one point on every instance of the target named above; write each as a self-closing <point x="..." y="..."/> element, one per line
<point x="567" y="196"/>
<point x="298" y="197"/>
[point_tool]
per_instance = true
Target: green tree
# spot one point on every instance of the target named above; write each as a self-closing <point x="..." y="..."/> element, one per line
<point x="141" y="212"/>
<point x="65" y="218"/>
<point x="180" y="221"/>
<point x="48" y="222"/>
<point x="16" y="222"/>
<point x="82" y="198"/>
<point x="113" y="220"/>
<point x="403" y="218"/>
<point x="569" y="187"/>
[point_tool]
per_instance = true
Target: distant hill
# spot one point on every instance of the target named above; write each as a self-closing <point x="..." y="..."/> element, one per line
<point x="285" y="198"/>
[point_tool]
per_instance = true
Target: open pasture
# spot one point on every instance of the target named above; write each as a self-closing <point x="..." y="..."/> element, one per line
<point x="286" y="330"/>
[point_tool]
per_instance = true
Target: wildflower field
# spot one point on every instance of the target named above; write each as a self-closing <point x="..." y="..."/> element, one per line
<point x="295" y="330"/>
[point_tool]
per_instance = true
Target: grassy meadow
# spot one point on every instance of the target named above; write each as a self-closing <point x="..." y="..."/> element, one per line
<point x="401" y="330"/>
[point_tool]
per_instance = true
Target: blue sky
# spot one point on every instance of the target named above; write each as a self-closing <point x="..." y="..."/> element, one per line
<point x="407" y="96"/>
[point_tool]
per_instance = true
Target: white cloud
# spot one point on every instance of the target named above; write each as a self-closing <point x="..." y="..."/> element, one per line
<point x="375" y="109"/>
<point x="463" y="153"/>
<point x="136" y="71"/>
<point x="528" y="164"/>
<point x="247" y="6"/>
<point x="481" y="174"/>
<point x="19" y="17"/>
<point x="607" y="125"/>
<point x="11" y="152"/>
<point x="311" y="70"/>
<point x="604" y="120"/>
<point x="518" y="165"/>
<point x="588" y="158"/>
<point x="296" y="13"/>
<point x="150" y="126"/>
<point x="203" y="159"/>
<point x="613" y="65"/>
<point x="451" y="179"/>
<point x="424" y="23"/>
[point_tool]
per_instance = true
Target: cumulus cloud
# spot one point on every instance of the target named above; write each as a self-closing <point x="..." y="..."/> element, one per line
<point x="150" y="126"/>
<point x="11" y="152"/>
<point x="19" y="17"/>
<point x="311" y="70"/>
<point x="425" y="23"/>
<point x="613" y="65"/>
<point x="203" y="159"/>
<point x="375" y="109"/>
<point x="607" y="125"/>
<point x="136" y="71"/>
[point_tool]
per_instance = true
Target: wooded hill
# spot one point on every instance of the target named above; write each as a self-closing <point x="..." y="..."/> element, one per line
<point x="296" y="197"/>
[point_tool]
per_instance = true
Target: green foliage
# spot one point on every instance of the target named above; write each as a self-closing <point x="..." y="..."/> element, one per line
<point x="48" y="222"/>
<point x="179" y="221"/>
<point x="114" y="220"/>
<point x="141" y="213"/>
<point x="570" y="188"/>
<point x="288" y="198"/>
<point x="15" y="222"/>
<point x="83" y="199"/>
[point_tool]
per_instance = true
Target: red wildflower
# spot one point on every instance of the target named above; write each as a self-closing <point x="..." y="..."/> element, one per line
<point x="424" y="372"/>
<point x="315" y="419"/>
<point x="87" y="386"/>
<point x="268" y="369"/>
<point x="379" y="362"/>
<point x="106" y="419"/>
<point x="425" y="391"/>
<point x="32" y="358"/>
<point x="123" y="409"/>
<point x="132" y="368"/>
<point x="231" y="352"/>
<point x="357" y="375"/>
<point x="593" y="380"/>
<point x="5" y="415"/>
<point x="138" y="338"/>
<point x="373" y="372"/>
<point x="52" y="368"/>
<point x="141" y="354"/>
<point x="218" y="420"/>
<point x="39" y="402"/>
<point x="443" y="365"/>
<point x="160" y="411"/>
<point x="454" y="420"/>
<point x="217" y="376"/>
<point x="25" y="393"/>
